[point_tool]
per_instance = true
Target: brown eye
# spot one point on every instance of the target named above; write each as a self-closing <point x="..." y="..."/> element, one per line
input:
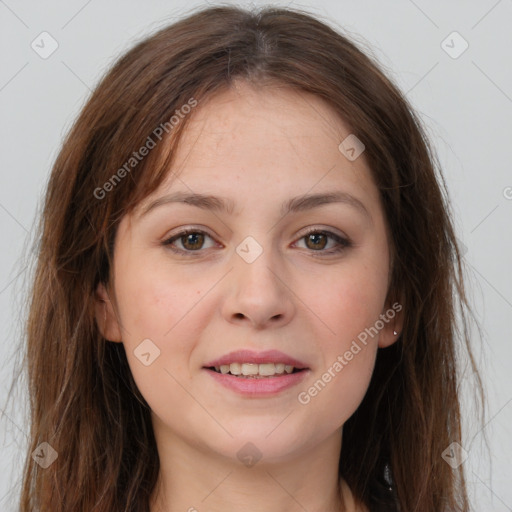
<point x="189" y="240"/>
<point x="316" y="241"/>
<point x="192" y="241"/>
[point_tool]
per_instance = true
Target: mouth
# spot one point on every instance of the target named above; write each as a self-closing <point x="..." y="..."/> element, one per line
<point x="256" y="371"/>
<point x="257" y="374"/>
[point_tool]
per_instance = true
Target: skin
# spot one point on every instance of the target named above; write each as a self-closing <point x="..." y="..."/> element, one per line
<point x="291" y="298"/>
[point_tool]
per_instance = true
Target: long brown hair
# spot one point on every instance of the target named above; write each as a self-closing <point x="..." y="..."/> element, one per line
<point x="83" y="399"/>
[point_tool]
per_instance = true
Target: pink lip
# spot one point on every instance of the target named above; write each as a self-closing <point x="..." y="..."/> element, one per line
<point x="258" y="387"/>
<point x="249" y="356"/>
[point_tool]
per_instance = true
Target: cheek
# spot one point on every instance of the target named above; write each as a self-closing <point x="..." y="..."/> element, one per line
<point x="350" y="386"/>
<point x="153" y="297"/>
<point x="340" y="383"/>
<point x="348" y="301"/>
<point x="157" y="309"/>
<point x="337" y="390"/>
<point x="159" y="304"/>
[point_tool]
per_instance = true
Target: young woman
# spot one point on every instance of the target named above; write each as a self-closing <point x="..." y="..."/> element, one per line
<point x="248" y="285"/>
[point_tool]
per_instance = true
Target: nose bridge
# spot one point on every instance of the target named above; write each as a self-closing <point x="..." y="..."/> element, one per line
<point x="257" y="290"/>
<point x="255" y="266"/>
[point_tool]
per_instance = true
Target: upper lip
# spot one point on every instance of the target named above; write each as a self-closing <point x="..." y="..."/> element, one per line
<point x="250" y="356"/>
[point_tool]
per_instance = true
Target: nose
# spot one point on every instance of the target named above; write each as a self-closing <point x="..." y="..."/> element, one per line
<point x="259" y="294"/>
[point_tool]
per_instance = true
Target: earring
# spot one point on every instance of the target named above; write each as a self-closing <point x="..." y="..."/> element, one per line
<point x="394" y="332"/>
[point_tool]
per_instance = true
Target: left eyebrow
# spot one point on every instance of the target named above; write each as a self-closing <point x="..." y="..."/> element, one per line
<point x="308" y="202"/>
<point x="295" y="204"/>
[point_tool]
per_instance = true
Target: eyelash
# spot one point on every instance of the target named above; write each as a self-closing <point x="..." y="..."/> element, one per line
<point x="343" y="243"/>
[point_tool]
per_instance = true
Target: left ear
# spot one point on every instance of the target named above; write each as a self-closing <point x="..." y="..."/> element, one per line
<point x="394" y="315"/>
<point x="106" y="318"/>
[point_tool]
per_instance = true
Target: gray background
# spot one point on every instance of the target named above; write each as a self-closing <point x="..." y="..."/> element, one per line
<point x="465" y="102"/>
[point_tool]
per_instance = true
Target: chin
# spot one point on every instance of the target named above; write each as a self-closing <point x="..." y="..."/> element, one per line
<point x="263" y="442"/>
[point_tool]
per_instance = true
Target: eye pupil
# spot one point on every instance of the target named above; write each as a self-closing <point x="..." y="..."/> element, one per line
<point x="192" y="237"/>
<point x="314" y="237"/>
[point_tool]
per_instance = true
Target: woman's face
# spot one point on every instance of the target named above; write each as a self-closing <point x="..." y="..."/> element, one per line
<point x="249" y="277"/>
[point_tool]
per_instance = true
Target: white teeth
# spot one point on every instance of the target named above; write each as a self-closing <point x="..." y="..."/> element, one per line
<point x="235" y="368"/>
<point x="267" y="369"/>
<point x="249" y="369"/>
<point x="252" y="369"/>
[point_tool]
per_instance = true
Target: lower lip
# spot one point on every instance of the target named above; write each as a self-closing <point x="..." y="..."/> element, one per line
<point x="258" y="387"/>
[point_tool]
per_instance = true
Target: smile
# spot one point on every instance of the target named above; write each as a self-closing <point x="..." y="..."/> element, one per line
<point x="256" y="385"/>
<point x="255" y="370"/>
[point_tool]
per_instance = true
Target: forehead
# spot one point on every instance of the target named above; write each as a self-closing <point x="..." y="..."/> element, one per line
<point x="245" y="141"/>
<point x="275" y="118"/>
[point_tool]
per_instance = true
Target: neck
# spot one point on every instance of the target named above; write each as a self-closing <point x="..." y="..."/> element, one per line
<point x="192" y="479"/>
